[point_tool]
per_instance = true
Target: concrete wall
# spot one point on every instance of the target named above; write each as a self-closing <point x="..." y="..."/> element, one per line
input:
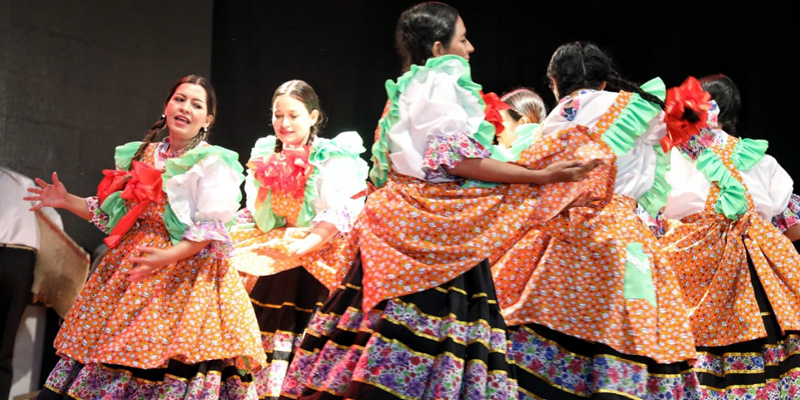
<point x="79" y="77"/>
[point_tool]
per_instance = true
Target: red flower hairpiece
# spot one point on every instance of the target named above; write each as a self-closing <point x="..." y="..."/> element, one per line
<point x="686" y="113"/>
<point x="492" y="111"/>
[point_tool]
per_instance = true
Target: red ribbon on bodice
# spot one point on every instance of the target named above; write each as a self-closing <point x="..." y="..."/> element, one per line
<point x="286" y="171"/>
<point x="140" y="185"/>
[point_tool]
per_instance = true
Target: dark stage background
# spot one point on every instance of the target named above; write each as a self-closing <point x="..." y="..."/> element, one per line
<point x="345" y="50"/>
<point x="78" y="77"/>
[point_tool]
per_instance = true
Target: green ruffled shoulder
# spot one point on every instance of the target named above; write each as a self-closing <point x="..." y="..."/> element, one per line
<point x="449" y="64"/>
<point x="656" y="197"/>
<point x="263" y="147"/>
<point x="635" y="119"/>
<point x="732" y="200"/>
<point x="180" y="165"/>
<point x="345" y="145"/>
<point x="748" y="152"/>
<point x="123" y="155"/>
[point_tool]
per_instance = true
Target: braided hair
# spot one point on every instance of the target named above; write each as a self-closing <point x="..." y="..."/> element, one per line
<point x="726" y="94"/>
<point x="582" y="65"/>
<point x="304" y="93"/>
<point x="420" y="27"/>
<point x="158" y="126"/>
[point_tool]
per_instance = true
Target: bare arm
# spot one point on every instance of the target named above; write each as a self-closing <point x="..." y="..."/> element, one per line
<point x="490" y="170"/>
<point x="57" y="196"/>
<point x="793" y="233"/>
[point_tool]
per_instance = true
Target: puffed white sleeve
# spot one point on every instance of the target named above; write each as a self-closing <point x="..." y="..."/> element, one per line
<point x="437" y="121"/>
<point x="205" y="198"/>
<point x="770" y="186"/>
<point x="341" y="187"/>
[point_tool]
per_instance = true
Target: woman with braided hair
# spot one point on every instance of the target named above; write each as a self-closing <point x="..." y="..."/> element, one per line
<point x="164" y="315"/>
<point x="593" y="307"/>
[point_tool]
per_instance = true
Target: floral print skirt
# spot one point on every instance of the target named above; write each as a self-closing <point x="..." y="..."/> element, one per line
<point x="448" y="342"/>
<point x="284" y="304"/>
<point x="215" y="379"/>
<point x="551" y="365"/>
<point x="765" y="368"/>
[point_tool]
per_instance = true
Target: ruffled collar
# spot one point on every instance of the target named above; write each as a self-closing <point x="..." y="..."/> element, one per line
<point x="163" y="150"/>
<point x="285" y="172"/>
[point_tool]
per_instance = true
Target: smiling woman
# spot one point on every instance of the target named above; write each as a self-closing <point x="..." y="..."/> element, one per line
<point x="163" y="307"/>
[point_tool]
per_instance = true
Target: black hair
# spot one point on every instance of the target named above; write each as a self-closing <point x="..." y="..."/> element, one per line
<point x="303" y="92"/>
<point x="419" y="27"/>
<point x="583" y="65"/>
<point x="726" y="94"/>
<point x="158" y="126"/>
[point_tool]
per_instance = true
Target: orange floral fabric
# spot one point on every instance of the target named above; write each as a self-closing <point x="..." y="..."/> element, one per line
<point x="709" y="254"/>
<point x="328" y="265"/>
<point x="194" y="310"/>
<point x="415" y="235"/>
<point x="569" y="275"/>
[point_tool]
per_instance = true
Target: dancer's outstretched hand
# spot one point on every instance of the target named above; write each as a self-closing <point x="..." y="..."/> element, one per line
<point x="48" y="195"/>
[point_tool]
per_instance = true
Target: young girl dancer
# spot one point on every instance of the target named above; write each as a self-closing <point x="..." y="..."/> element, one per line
<point x="300" y="193"/>
<point x="164" y="315"/>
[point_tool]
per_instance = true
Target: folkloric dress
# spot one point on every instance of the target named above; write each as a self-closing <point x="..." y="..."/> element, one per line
<point x="593" y="306"/>
<point x="417" y="316"/>
<point x="287" y="194"/>
<point x="740" y="276"/>
<point x="187" y="330"/>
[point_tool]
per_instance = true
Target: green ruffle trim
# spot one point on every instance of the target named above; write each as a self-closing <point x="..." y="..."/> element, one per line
<point x="635" y="119"/>
<point x="115" y="207"/>
<point x="124" y="154"/>
<point x="485" y="134"/>
<point x="731" y="201"/>
<point x="346" y="144"/>
<point x="748" y="152"/>
<point x="525" y="138"/>
<point x="656" y="197"/>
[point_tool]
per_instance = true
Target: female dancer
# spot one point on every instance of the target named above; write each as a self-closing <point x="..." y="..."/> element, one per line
<point x="599" y="312"/>
<point x="416" y="316"/>
<point x="300" y="190"/>
<point x="163" y="315"/>
<point x="738" y="274"/>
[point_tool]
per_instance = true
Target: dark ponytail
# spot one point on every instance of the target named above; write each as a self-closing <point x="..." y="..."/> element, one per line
<point x="419" y="27"/>
<point x="582" y="65"/>
<point x="726" y="95"/>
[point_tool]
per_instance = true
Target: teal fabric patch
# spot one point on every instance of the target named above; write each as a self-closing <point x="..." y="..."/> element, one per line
<point x="638" y="275"/>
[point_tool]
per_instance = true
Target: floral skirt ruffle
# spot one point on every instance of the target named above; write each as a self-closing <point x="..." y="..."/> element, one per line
<point x="284" y="304"/>
<point x="448" y="342"/>
<point x="551" y="365"/>
<point x="766" y="368"/>
<point x="207" y="380"/>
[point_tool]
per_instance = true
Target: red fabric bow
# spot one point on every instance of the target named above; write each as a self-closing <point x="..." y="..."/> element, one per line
<point x="492" y="111"/>
<point x="142" y="184"/>
<point x="286" y="171"/>
<point x="688" y="97"/>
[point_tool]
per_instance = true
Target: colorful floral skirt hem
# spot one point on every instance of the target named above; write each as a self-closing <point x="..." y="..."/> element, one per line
<point x="766" y="368"/>
<point x="551" y="365"/>
<point x="283" y="304"/>
<point x="214" y="379"/>
<point x="448" y="342"/>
